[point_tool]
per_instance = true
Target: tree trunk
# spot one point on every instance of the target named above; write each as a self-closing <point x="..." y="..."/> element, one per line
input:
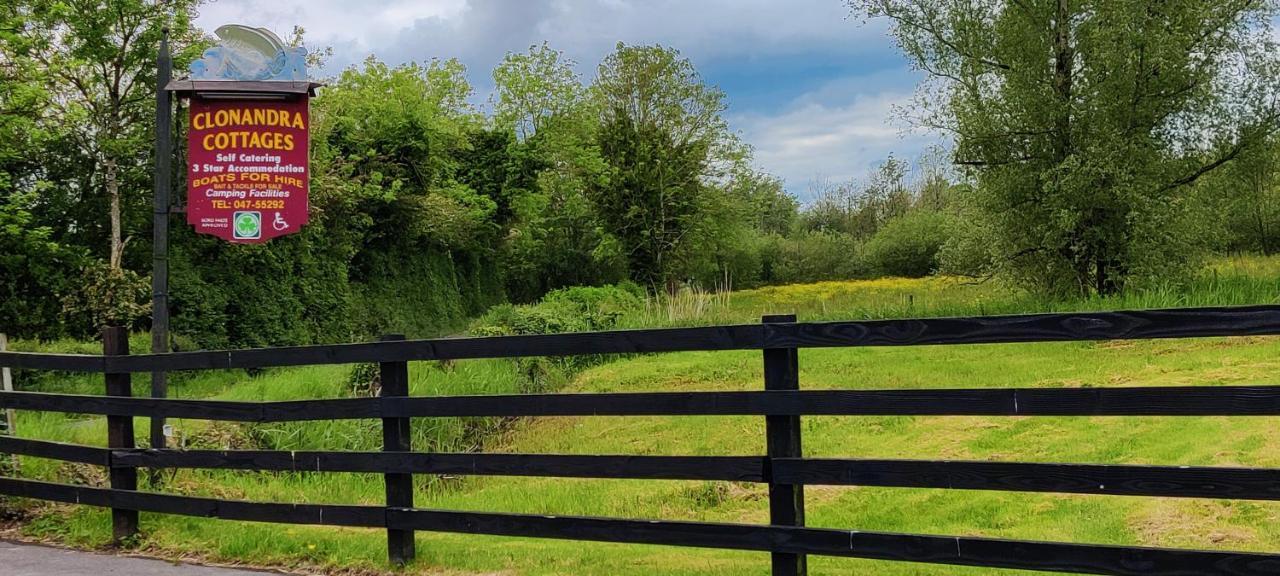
<point x="1261" y="230"/>
<point x="1063" y="64"/>
<point x="1258" y="184"/>
<point x="111" y="176"/>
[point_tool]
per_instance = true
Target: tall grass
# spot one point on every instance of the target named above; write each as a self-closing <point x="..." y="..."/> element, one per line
<point x="689" y="304"/>
<point x="1230" y="281"/>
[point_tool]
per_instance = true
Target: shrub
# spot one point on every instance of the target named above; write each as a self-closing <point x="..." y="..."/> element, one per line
<point x="812" y="256"/>
<point x="36" y="271"/>
<point x="600" y="306"/>
<point x="541" y="318"/>
<point x="421" y="293"/>
<point x="576" y="309"/>
<point x="968" y="250"/>
<point x="107" y="297"/>
<point x="732" y="258"/>
<point x="289" y="291"/>
<point x="908" y="245"/>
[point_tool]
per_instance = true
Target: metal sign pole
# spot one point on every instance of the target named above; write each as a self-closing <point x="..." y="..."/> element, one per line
<point x="160" y="232"/>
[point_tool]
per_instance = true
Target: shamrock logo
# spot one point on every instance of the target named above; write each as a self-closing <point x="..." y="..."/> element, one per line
<point x="247" y="225"/>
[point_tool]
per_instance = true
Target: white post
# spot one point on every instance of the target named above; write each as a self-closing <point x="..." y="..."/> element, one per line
<point x="6" y="383"/>
<point x="8" y="462"/>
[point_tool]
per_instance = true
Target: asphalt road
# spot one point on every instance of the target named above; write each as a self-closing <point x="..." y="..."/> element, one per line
<point x="29" y="560"/>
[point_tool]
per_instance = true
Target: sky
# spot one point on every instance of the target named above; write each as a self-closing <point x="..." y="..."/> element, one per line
<point x="810" y="86"/>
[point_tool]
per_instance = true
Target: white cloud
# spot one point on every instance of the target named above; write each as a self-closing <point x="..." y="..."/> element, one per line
<point x="812" y="140"/>
<point x="708" y="28"/>
<point x="479" y="32"/>
<point x="359" y="26"/>
<point x="839" y="130"/>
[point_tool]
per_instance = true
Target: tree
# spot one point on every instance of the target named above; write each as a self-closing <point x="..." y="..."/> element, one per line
<point x="661" y="134"/>
<point x="651" y="199"/>
<point x="769" y="209"/>
<point x="23" y="96"/>
<point x="1246" y="199"/>
<point x="101" y="55"/>
<point x="535" y="88"/>
<point x="653" y="87"/>
<point x="392" y="139"/>
<point x="35" y="268"/>
<point x="1086" y="124"/>
<point x="32" y="264"/>
<point x="556" y="238"/>
<point x="740" y="219"/>
<point x="76" y="80"/>
<point x="860" y="208"/>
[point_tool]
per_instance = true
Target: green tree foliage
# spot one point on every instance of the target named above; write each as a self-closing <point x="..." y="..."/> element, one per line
<point x="1243" y="202"/>
<point x="395" y="146"/>
<point x="860" y="209"/>
<point x="100" y="57"/>
<point x="813" y="256"/>
<point x="767" y="205"/>
<point x="33" y="266"/>
<point x="613" y="196"/>
<point x="32" y="262"/>
<point x="1087" y="124"/>
<point x="107" y="296"/>
<point x="737" y="222"/>
<point x="424" y="212"/>
<point x="909" y="245"/>
<point x="894" y="222"/>
<point x="653" y="192"/>
<point x="1101" y="144"/>
<point x="556" y="238"/>
<point x="391" y="140"/>
<point x="90" y="66"/>
<point x="534" y="89"/>
<point x="661" y="134"/>
<point x="23" y="95"/>
<point x="405" y="206"/>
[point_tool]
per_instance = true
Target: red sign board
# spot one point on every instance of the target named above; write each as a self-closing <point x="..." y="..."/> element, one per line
<point x="247" y="172"/>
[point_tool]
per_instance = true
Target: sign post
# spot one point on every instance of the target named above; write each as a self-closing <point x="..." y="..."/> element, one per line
<point x="160" y="233"/>
<point x="247" y="167"/>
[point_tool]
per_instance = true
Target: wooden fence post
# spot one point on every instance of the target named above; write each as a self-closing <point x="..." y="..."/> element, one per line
<point x="394" y="377"/>
<point x="786" y="501"/>
<point x="124" y="523"/>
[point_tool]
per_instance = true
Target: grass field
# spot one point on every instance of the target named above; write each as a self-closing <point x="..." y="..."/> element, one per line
<point x="1094" y="519"/>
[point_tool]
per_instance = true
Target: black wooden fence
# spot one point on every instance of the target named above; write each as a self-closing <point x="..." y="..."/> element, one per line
<point x="783" y="467"/>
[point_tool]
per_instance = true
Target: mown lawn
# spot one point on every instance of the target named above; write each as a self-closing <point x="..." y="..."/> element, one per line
<point x="1093" y="519"/>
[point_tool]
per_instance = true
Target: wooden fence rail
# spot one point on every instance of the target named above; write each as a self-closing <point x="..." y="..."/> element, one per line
<point x="781" y="465"/>
<point x="1134" y="325"/>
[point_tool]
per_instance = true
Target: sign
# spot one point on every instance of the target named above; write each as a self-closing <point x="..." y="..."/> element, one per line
<point x="247" y="168"/>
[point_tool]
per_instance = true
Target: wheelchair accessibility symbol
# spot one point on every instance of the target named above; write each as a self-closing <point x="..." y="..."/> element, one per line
<point x="278" y="223"/>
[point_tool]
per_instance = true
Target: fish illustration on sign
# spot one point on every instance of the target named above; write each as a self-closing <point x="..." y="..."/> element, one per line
<point x="248" y="53"/>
